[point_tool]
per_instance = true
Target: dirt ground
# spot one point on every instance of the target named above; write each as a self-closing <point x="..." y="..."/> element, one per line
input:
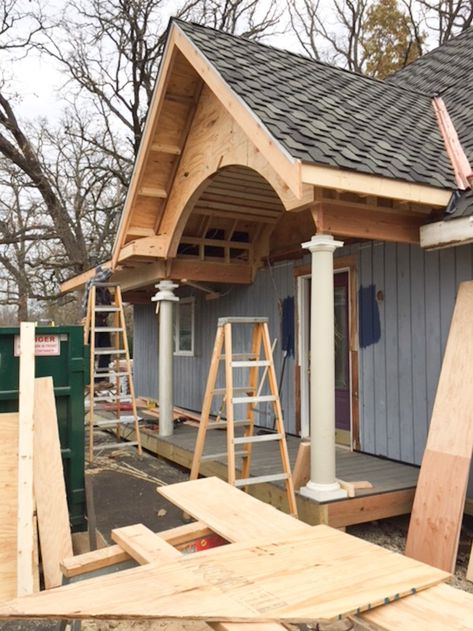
<point x="124" y="489"/>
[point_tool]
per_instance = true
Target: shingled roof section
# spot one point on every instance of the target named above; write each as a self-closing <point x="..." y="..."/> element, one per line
<point x="329" y="116"/>
<point x="448" y="71"/>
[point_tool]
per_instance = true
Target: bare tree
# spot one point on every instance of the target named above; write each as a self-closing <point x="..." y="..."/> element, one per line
<point x="444" y="18"/>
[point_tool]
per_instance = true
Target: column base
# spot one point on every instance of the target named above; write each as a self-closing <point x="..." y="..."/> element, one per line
<point x="323" y="492"/>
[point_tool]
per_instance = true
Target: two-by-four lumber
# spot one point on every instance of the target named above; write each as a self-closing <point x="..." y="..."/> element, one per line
<point x="49" y="485"/>
<point x="25" y="529"/>
<point x="434" y="528"/>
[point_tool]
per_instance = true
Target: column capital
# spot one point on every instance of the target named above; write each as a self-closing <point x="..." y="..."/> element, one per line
<point x="322" y="243"/>
<point x="165" y="291"/>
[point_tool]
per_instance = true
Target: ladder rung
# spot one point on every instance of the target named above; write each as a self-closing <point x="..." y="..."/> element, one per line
<point x="251" y="364"/>
<point x="241" y="356"/>
<point x="242" y="320"/>
<point x="264" y="438"/>
<point x="261" y="399"/>
<point x="108" y="329"/>
<point x="223" y="424"/>
<point x="262" y="478"/>
<point x="115" y="445"/>
<point x="105" y="284"/>
<point x="102" y="308"/>
<point x="113" y="399"/>
<point x="221" y="454"/>
<point x="109" y="351"/>
<point x="237" y="389"/>
<point x="101" y="375"/>
<point x="113" y="422"/>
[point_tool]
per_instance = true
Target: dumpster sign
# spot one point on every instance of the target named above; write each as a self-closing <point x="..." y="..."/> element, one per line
<point x="45" y="345"/>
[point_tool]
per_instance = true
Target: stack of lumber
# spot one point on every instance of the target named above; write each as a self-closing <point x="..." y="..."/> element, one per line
<point x="32" y="488"/>
<point x="275" y="570"/>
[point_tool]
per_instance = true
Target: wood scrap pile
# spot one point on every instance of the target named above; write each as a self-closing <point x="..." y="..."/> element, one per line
<point x="276" y="569"/>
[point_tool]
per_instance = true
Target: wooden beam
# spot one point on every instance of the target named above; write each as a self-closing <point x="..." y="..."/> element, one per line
<point x="446" y="234"/>
<point x="150" y="191"/>
<point x="364" y="184"/>
<point x="159" y="147"/>
<point x="76" y="282"/>
<point x="360" y="222"/>
<point x="147" y="246"/>
<point x="138" y="231"/>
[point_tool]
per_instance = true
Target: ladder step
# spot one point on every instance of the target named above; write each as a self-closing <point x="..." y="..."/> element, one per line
<point x="251" y="364"/>
<point x="105" y="308"/>
<point x="221" y="454"/>
<point x="248" y="356"/>
<point x="114" y="422"/>
<point x="113" y="399"/>
<point x="109" y="351"/>
<point x="264" y="438"/>
<point x="108" y="329"/>
<point x="261" y="478"/>
<point x="223" y="424"/>
<point x="101" y="375"/>
<point x="261" y="399"/>
<point x="242" y="320"/>
<point x="122" y="445"/>
<point x="237" y="389"/>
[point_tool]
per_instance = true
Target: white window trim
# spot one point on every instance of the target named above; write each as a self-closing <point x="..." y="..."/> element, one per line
<point x="177" y="351"/>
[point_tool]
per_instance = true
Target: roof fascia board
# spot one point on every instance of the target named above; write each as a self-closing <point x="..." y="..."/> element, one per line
<point x="365" y="184"/>
<point x="146" y="141"/>
<point x="287" y="167"/>
<point x="445" y="234"/>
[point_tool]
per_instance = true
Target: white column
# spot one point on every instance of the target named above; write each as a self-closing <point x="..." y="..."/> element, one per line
<point x="322" y="486"/>
<point x="165" y="298"/>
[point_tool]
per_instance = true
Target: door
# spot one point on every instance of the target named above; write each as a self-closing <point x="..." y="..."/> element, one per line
<point x="342" y="355"/>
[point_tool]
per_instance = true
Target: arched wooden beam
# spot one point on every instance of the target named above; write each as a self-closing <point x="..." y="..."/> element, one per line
<point x="215" y="141"/>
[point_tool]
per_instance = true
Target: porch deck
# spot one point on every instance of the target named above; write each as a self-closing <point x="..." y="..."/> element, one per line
<point x="393" y="483"/>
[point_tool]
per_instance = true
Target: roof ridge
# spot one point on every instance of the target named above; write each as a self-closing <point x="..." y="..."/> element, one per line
<point x="306" y="58"/>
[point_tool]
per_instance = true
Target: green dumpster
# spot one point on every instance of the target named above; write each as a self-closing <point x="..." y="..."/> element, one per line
<point x="60" y="354"/>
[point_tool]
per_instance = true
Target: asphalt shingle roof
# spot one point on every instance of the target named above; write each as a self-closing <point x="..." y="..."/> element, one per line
<point x="329" y="116"/>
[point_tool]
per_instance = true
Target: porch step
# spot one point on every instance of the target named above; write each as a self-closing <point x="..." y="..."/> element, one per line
<point x="264" y="438"/>
<point x="275" y="477"/>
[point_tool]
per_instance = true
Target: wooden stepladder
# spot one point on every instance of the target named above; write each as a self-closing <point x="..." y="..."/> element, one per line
<point x="111" y="342"/>
<point x="259" y="358"/>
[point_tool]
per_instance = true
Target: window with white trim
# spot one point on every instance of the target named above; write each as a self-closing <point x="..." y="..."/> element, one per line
<point x="184" y="314"/>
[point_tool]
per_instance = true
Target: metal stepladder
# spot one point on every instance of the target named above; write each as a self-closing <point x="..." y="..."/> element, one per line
<point x="260" y="357"/>
<point x="96" y="331"/>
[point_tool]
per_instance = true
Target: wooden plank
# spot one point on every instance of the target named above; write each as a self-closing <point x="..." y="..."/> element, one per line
<point x="8" y="504"/>
<point x="113" y="555"/>
<point x="332" y="574"/>
<point x="143" y="545"/>
<point x="435" y="609"/>
<point x="244" y="518"/>
<point x="445" y="234"/>
<point x="26" y="534"/>
<point x="435" y="524"/>
<point x="49" y="485"/>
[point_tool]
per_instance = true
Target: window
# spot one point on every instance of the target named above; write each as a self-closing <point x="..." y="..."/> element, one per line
<point x="184" y="327"/>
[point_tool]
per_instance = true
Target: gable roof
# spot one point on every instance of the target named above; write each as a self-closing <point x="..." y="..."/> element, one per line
<point x="329" y="116"/>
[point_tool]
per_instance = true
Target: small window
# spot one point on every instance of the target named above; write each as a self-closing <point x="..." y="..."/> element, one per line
<point x="184" y="327"/>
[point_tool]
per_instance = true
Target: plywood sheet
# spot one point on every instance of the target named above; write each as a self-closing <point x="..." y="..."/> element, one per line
<point x="435" y="609"/>
<point x="49" y="485"/>
<point x="8" y="504"/>
<point x="319" y="574"/>
<point x="435" y="523"/>
<point x="232" y="514"/>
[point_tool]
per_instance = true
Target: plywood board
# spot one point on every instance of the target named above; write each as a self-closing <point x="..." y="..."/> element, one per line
<point x="8" y="504"/>
<point x="435" y="609"/>
<point x="232" y="514"/>
<point x="435" y="523"/>
<point x="25" y="529"/>
<point x="49" y="485"/>
<point x="319" y="574"/>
